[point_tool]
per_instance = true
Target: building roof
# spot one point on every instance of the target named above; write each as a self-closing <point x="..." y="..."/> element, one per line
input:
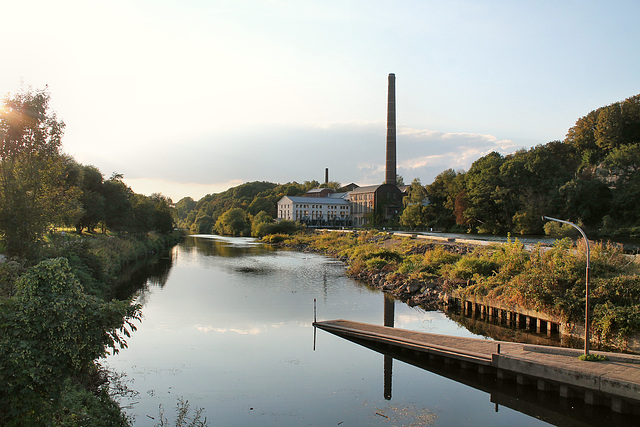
<point x="316" y="200"/>
<point x="366" y="189"/>
<point x="372" y="188"/>
<point x="320" y="190"/>
<point x="337" y="195"/>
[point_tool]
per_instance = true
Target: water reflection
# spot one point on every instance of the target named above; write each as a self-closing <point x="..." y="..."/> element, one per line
<point x="140" y="275"/>
<point x="226" y="326"/>
<point x="493" y="328"/>
<point x="389" y="317"/>
<point x="226" y="247"/>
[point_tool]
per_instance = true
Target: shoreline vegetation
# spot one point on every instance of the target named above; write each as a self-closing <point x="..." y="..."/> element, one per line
<point x="58" y="317"/>
<point x="58" y="308"/>
<point x="544" y="279"/>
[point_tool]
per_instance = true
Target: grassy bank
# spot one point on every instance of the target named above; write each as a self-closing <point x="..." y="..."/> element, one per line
<point x="57" y="318"/>
<point x="548" y="279"/>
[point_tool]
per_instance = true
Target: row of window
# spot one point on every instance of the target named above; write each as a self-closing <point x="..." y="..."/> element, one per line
<point x="356" y="197"/>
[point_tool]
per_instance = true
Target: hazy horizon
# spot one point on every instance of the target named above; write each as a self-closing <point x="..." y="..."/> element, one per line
<point x="192" y="98"/>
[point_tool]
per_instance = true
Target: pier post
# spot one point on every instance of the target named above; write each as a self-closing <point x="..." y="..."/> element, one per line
<point x="566" y="391"/>
<point x="591" y="398"/>
<point x="538" y="325"/>
<point x="522" y="379"/>
<point x="618" y="405"/>
<point x="543" y="385"/>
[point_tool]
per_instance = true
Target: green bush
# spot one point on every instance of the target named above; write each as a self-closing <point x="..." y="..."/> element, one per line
<point x="51" y="331"/>
<point x="593" y="357"/>
<point x="376" y="263"/>
<point x="275" y="238"/>
<point x="468" y="267"/>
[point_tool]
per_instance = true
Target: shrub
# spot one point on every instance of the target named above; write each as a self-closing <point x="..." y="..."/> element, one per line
<point x="275" y="238"/>
<point x="468" y="267"/>
<point x="376" y="263"/>
<point x="593" y="357"/>
<point x="435" y="258"/>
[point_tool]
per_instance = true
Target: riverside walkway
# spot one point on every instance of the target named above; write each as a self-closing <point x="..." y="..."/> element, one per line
<point x="614" y="383"/>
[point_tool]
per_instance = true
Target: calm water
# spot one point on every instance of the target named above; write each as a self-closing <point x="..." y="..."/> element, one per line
<point x="227" y="326"/>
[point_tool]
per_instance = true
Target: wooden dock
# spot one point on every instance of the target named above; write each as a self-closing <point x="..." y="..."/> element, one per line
<point x="614" y="383"/>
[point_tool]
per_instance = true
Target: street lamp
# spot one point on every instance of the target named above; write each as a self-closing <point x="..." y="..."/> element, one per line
<point x="586" y="310"/>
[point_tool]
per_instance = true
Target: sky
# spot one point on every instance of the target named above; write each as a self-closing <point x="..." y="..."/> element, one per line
<point x="188" y="98"/>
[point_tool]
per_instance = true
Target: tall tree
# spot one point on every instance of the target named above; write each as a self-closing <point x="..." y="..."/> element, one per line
<point x="92" y="199"/>
<point x="31" y="170"/>
<point x="234" y="222"/>
<point x="483" y="193"/>
<point x="415" y="205"/>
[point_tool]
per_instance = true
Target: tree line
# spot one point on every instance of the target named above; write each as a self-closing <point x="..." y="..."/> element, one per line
<point x="42" y="188"/>
<point x="591" y="178"/>
<point x="246" y="210"/>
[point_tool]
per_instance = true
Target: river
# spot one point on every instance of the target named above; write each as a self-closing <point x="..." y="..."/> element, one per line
<point x="228" y="327"/>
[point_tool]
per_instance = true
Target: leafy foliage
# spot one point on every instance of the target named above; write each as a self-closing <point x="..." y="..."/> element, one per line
<point x="593" y="357"/>
<point x="52" y="330"/>
<point x="31" y="166"/>
<point x="233" y="222"/>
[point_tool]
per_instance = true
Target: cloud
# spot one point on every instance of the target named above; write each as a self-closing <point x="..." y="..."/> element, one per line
<point x="211" y="329"/>
<point x="428" y="152"/>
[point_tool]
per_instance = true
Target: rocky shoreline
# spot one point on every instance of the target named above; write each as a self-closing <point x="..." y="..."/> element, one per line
<point x="430" y="295"/>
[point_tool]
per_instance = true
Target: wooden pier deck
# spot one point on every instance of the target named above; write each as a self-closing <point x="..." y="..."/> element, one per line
<point x="614" y="383"/>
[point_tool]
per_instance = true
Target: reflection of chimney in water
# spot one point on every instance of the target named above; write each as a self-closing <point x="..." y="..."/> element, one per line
<point x="389" y="317"/>
<point x="390" y="174"/>
<point x="326" y="175"/>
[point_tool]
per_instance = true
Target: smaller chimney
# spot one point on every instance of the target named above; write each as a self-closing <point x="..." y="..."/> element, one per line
<point x="326" y="175"/>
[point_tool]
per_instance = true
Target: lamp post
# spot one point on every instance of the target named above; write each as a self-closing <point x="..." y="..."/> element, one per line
<point x="586" y="310"/>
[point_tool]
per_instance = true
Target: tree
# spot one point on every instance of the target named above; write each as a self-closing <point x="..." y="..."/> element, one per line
<point x="621" y="171"/>
<point x="256" y="224"/>
<point x="162" y="217"/>
<point x="182" y="209"/>
<point x="442" y="194"/>
<point x="31" y="170"/>
<point x="586" y="199"/>
<point x="90" y="183"/>
<point x="117" y="203"/>
<point x="233" y="223"/>
<point x="483" y="192"/>
<point x="415" y="203"/>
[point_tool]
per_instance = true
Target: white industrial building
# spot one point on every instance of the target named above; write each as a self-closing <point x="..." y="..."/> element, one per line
<point x="333" y="210"/>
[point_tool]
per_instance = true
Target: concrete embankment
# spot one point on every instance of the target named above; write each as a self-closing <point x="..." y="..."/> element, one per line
<point x="614" y="383"/>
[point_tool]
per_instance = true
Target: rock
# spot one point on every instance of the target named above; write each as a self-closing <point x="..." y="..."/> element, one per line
<point x="412" y="288"/>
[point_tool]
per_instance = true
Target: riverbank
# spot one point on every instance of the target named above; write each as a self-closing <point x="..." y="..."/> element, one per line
<point x="547" y="280"/>
<point x="58" y="316"/>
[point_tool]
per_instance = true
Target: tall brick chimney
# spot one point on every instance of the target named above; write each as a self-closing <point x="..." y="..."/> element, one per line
<point x="326" y="175"/>
<point x="390" y="174"/>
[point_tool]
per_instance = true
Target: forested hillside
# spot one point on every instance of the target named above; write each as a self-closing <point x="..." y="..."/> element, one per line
<point x="251" y="197"/>
<point x="592" y="178"/>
